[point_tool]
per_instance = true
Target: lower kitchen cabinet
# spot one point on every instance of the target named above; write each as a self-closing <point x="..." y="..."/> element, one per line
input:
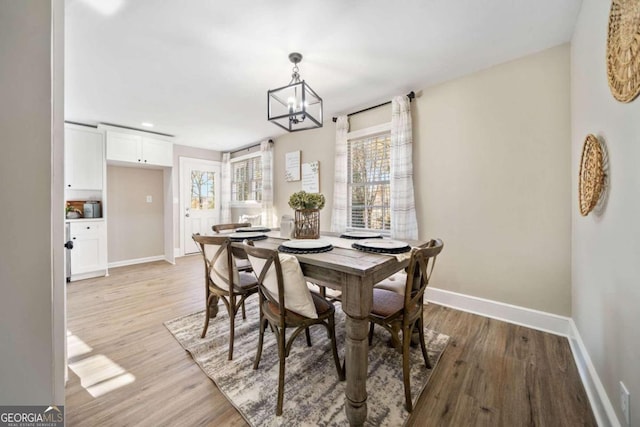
<point x="89" y="253"/>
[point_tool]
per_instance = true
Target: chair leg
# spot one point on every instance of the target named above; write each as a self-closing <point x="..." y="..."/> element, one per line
<point x="334" y="348"/>
<point x="406" y="340"/>
<point x="256" y="362"/>
<point x="308" y="334"/>
<point x="423" y="345"/>
<point x="232" y="330"/>
<point x="282" y="355"/>
<point x="244" y="314"/>
<point x="206" y="319"/>
<point x="370" y="332"/>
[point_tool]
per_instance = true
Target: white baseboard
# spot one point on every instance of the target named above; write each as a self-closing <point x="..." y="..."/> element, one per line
<point x="177" y="252"/>
<point x="540" y="320"/>
<point x="600" y="403"/>
<point x="547" y="322"/>
<point x="136" y="261"/>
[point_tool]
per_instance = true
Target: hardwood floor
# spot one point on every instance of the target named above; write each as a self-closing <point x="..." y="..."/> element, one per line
<point x="492" y="373"/>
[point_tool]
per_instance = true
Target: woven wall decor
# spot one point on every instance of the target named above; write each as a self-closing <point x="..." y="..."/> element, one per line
<point x="623" y="49"/>
<point x="591" y="179"/>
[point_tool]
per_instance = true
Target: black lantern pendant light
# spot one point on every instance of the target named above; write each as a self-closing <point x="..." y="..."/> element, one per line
<point x="296" y="106"/>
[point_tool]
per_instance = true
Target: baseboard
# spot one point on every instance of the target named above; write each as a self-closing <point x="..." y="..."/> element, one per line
<point x="540" y="320"/>
<point x="600" y="403"/>
<point x="136" y="261"/>
<point x="177" y="252"/>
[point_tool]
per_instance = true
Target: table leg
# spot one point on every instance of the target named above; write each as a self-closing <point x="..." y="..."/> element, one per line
<point x="356" y="363"/>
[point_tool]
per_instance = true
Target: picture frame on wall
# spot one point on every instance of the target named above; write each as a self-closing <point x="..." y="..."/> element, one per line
<point x="311" y="177"/>
<point x="292" y="166"/>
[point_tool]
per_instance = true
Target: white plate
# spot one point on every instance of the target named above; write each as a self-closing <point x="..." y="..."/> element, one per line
<point x="245" y="235"/>
<point x="382" y="244"/>
<point x="306" y="244"/>
<point x="361" y="234"/>
<point x="254" y="228"/>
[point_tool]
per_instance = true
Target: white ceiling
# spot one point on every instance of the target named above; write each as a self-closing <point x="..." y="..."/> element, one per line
<point x="200" y="69"/>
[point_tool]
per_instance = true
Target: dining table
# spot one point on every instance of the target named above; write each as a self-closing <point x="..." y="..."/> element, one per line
<point x="353" y="272"/>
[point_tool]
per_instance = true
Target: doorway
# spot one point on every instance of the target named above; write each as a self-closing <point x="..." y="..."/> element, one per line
<point x="199" y="200"/>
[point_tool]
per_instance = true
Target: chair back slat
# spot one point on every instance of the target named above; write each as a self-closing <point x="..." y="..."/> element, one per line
<point x="420" y="268"/>
<point x="229" y="227"/>
<point x="268" y="258"/>
<point x="221" y="248"/>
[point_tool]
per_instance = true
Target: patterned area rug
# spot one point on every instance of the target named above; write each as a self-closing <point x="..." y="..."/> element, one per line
<point x="313" y="396"/>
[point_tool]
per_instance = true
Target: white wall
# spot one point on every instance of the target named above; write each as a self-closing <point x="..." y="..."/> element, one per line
<point x="492" y="178"/>
<point x="606" y="247"/>
<point x="27" y="258"/>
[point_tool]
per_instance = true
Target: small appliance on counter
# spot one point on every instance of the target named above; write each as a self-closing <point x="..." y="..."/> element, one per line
<point x="92" y="209"/>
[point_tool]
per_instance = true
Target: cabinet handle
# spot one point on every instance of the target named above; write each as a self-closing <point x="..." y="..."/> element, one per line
<point x="139" y="160"/>
<point x="145" y="160"/>
<point x="68" y="185"/>
<point x="88" y="228"/>
<point x="74" y="238"/>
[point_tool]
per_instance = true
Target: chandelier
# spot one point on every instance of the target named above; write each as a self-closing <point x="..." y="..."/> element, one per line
<point x="296" y="106"/>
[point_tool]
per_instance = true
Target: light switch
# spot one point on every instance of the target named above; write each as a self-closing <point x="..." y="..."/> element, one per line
<point x="149" y="199"/>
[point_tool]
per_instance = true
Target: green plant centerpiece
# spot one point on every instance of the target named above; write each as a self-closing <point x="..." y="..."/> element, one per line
<point x="307" y="218"/>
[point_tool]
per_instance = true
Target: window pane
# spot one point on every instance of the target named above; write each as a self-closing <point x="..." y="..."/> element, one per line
<point x="247" y="180"/>
<point x="368" y="173"/>
<point x="202" y="190"/>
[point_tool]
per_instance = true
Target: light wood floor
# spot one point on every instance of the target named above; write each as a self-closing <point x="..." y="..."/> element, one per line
<point x="492" y="373"/>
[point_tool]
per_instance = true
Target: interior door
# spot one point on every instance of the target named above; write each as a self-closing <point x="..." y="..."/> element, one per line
<point x="200" y="188"/>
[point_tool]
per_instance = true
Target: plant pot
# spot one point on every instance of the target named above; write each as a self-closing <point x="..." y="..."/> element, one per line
<point x="307" y="224"/>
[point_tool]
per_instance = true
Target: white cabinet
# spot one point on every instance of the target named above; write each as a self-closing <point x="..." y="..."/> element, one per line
<point x="84" y="158"/>
<point x="134" y="148"/>
<point x="89" y="253"/>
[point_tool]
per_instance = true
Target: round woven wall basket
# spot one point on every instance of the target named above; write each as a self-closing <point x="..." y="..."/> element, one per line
<point x="623" y="49"/>
<point x="591" y="179"/>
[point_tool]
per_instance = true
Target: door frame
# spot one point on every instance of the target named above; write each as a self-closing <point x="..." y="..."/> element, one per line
<point x="182" y="161"/>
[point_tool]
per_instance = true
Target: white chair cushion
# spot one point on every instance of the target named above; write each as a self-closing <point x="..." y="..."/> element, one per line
<point x="297" y="295"/>
<point x="395" y="283"/>
<point x="220" y="271"/>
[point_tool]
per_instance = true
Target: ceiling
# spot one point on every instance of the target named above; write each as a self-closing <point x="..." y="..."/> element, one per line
<point x="200" y="69"/>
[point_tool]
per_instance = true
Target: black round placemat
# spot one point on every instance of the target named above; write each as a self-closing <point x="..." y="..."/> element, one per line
<point x="346" y="236"/>
<point x="240" y="239"/>
<point x="304" y="251"/>
<point x="381" y="250"/>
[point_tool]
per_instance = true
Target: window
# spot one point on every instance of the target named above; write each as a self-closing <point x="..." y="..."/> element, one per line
<point x="246" y="180"/>
<point x="202" y="190"/>
<point x="368" y="183"/>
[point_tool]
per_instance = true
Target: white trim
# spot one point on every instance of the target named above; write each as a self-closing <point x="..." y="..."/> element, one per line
<point x="138" y="261"/>
<point x="177" y="252"/>
<point x="534" y="319"/>
<point x="257" y="153"/>
<point x="370" y="131"/>
<point x="600" y="403"/>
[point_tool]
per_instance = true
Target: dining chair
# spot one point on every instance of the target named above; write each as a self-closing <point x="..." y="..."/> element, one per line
<point x="241" y="263"/>
<point x="286" y="302"/>
<point x="223" y="280"/>
<point x="402" y="312"/>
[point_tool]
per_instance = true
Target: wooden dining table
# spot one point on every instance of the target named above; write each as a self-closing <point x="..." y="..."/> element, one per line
<point x="354" y="273"/>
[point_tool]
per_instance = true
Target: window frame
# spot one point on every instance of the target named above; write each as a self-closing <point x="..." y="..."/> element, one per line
<point x="243" y="203"/>
<point x="366" y="133"/>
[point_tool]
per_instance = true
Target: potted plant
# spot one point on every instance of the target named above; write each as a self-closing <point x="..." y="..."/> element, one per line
<point x="307" y="219"/>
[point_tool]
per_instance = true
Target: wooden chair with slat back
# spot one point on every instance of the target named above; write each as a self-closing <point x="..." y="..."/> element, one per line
<point x="402" y="311"/>
<point x="241" y="262"/>
<point x="223" y="280"/>
<point x="284" y="270"/>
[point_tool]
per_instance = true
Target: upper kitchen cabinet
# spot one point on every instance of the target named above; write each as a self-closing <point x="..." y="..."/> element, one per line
<point x="83" y="157"/>
<point x="136" y="148"/>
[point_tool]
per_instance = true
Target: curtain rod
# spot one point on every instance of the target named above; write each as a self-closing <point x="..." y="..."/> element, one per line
<point x="411" y="95"/>
<point x="249" y="147"/>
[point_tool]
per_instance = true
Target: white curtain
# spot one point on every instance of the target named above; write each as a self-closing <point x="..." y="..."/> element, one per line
<point x="266" y="150"/>
<point x="339" y="213"/>
<point x="225" y="189"/>
<point x="404" y="224"/>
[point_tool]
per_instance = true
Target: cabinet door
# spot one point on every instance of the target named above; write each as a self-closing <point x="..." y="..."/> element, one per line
<point x="157" y="152"/>
<point x="89" y="247"/>
<point x="84" y="159"/>
<point x="124" y="147"/>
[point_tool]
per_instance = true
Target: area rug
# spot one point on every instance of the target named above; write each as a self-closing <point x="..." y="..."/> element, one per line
<point x="313" y="396"/>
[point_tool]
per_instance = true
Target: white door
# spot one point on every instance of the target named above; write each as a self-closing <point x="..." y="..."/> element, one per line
<point x="200" y="201"/>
